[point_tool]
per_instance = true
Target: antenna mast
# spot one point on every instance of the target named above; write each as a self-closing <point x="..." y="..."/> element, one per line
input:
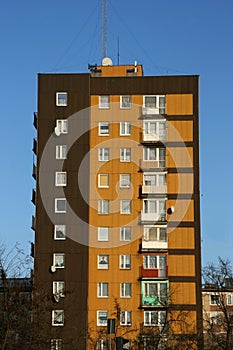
<point x="104" y="23"/>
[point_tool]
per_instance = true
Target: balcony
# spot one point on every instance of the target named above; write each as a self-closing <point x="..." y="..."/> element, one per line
<point x="33" y="226"/>
<point x="154" y="300"/>
<point x="153" y="137"/>
<point x="154" y="245"/>
<point x="34" y="147"/>
<point x="153" y="273"/>
<point x="33" y="197"/>
<point x="153" y="217"/>
<point x="34" y="171"/>
<point x="35" y="120"/>
<point x="152" y="111"/>
<point x="151" y="164"/>
<point x="153" y="189"/>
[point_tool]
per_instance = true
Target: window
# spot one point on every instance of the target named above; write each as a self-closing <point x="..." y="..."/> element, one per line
<point x="125" y="206"/>
<point x="103" y="180"/>
<point x="153" y="233"/>
<point x="154" y="318"/>
<point x="214" y="299"/>
<point x="103" y="234"/>
<point x="103" y="262"/>
<point x="125" y="128"/>
<point x="154" y="261"/>
<point x="229" y="299"/>
<point x="58" y="317"/>
<point x="61" y="151"/>
<point x="125" y="262"/>
<point x="61" y="127"/>
<point x="104" y="102"/>
<point x="151" y="179"/>
<point x="155" y="103"/>
<point x="125" y="102"/>
<point x="124" y="180"/>
<point x="103" y="154"/>
<point x="60" y="232"/>
<point x="125" y="290"/>
<point x="102" y="290"/>
<point x="60" y="205"/>
<point x="103" y="128"/>
<point x="155" y="129"/>
<point x="59" y="260"/>
<point x="60" y="178"/>
<point x="102" y="318"/>
<point x="103" y="206"/>
<point x="126" y="318"/>
<point x="57" y="344"/>
<point x="156" y="290"/>
<point x="61" y="98"/>
<point x="154" y="206"/>
<point x="59" y="288"/>
<point x="125" y="154"/>
<point x="125" y="233"/>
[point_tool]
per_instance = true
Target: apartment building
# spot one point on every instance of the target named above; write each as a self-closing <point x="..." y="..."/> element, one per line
<point x="117" y="211"/>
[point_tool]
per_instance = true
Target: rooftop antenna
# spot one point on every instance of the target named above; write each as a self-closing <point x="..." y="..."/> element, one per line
<point x="104" y="25"/>
<point x="118" y="51"/>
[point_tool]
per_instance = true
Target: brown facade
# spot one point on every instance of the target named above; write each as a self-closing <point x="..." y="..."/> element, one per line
<point x="99" y="208"/>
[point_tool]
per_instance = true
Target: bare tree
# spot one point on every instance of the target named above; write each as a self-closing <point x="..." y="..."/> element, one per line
<point x="218" y="308"/>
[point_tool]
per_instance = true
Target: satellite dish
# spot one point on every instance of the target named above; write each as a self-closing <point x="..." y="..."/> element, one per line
<point x="106" y="61"/>
<point x="57" y="131"/>
<point x="172" y="209"/>
<point x="52" y="268"/>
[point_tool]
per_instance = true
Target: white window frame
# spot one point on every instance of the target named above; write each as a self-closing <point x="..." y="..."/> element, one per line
<point x="103" y="154"/>
<point x="103" y="234"/>
<point x="230" y="299"/>
<point x="61" y="102"/>
<point x="104" y="104"/>
<point x="61" y="175"/>
<point x="57" y="200"/>
<point x="157" y="179"/>
<point x="216" y="297"/>
<point x="61" y="151"/>
<point x="159" y="318"/>
<point x="102" y="290"/>
<point x="103" y="206"/>
<point x="157" y="132"/>
<point x="125" y="154"/>
<point x="149" y="207"/>
<point x="61" y="126"/>
<point x="126" y="290"/>
<point x="58" y="314"/>
<point x="104" y="128"/>
<point x="125" y="233"/>
<point x="125" y="206"/>
<point x="99" y="180"/>
<point x="60" y="230"/>
<point x="125" y="318"/>
<point x="146" y="233"/>
<point x="125" y="183"/>
<point x="103" y="262"/>
<point x="160" y="295"/>
<point x="56" y="258"/>
<point x="125" y="262"/>
<point x="125" y="128"/>
<point x="56" y="344"/>
<point x="154" y="262"/>
<point x="124" y="104"/>
<point x="157" y="107"/>
<point x="105" y="320"/>
<point x="59" y="288"/>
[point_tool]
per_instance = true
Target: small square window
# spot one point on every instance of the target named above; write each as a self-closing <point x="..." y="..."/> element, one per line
<point x="104" y="102"/>
<point x="125" y="102"/>
<point x="214" y="299"/>
<point x="60" y="205"/>
<point x="103" y="234"/>
<point x="61" y="99"/>
<point x="103" y="154"/>
<point x="57" y="344"/>
<point x="102" y="290"/>
<point x="59" y="288"/>
<point x="104" y="129"/>
<point x="61" y="127"/>
<point x="125" y="206"/>
<point x="103" y="180"/>
<point x="125" y="233"/>
<point x="125" y="128"/>
<point x="126" y="318"/>
<point x="124" y="180"/>
<point x="60" y="178"/>
<point x="125" y="154"/>
<point x="103" y="262"/>
<point x="125" y="262"/>
<point x="61" y="151"/>
<point x="229" y="299"/>
<point x="59" y="260"/>
<point x="58" y="318"/>
<point x="103" y="206"/>
<point x="60" y="232"/>
<point x="102" y="318"/>
<point x="126" y="290"/>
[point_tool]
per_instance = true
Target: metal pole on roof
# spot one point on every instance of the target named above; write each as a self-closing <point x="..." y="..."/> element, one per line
<point x="104" y="27"/>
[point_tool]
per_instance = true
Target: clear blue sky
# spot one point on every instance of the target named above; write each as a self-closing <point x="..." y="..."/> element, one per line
<point x="167" y="37"/>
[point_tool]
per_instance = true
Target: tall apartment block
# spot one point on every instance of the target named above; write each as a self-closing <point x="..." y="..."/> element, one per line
<point x="117" y="210"/>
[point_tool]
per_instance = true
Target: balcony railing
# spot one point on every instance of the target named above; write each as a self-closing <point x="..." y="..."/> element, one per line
<point x="153" y="273"/>
<point x="150" y="189"/>
<point x="153" y="300"/>
<point x="150" y="164"/>
<point x="153" y="137"/>
<point x="153" y="110"/>
<point x="154" y="245"/>
<point x="153" y="217"/>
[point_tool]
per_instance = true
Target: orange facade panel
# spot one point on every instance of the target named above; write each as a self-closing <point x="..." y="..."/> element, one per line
<point x="181" y="238"/>
<point x="179" y="104"/>
<point x="179" y="157"/>
<point x="181" y="265"/>
<point x="179" y="131"/>
<point x="183" y="293"/>
<point x="180" y="183"/>
<point x="120" y="71"/>
<point x="184" y="210"/>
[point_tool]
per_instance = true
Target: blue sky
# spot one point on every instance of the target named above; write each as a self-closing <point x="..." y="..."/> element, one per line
<point x="168" y="37"/>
